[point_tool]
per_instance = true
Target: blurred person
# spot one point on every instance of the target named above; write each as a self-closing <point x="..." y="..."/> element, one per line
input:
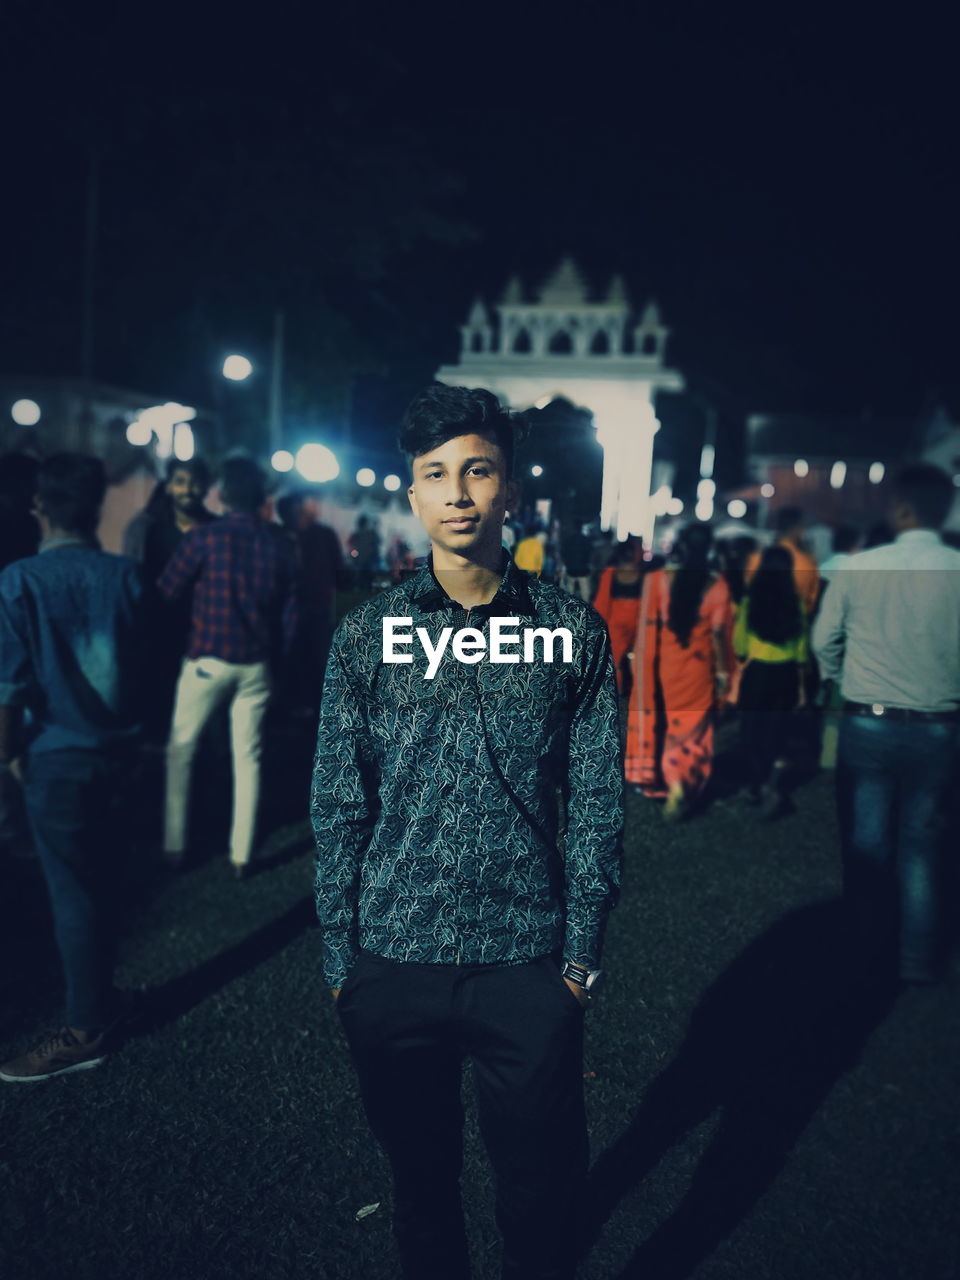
<point x="244" y="617"/>
<point x="320" y="563"/>
<point x="889" y="631"/>
<point x="175" y="507"/>
<point x="529" y="553"/>
<point x="399" y="558"/>
<point x="847" y="541"/>
<point x="509" y="535"/>
<point x="576" y="553"/>
<point x="19" y="530"/>
<point x="618" y="603"/>
<point x="732" y="555"/>
<point x="453" y="927"/>
<point x="363" y="547"/>
<point x="770" y="640"/>
<point x="880" y="534"/>
<point x="681" y="668"/>
<point x="789" y="525"/>
<point x="72" y="630"/>
<point x="19" y="537"/>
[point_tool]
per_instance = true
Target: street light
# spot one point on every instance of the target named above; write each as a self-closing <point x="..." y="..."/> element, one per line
<point x="237" y="368"/>
<point x="366" y="476"/>
<point x="392" y="483"/>
<point x="282" y="460"/>
<point x="25" y="413"/>
<point x="317" y="463"/>
<point x="736" y="508"/>
<point x="536" y="470"/>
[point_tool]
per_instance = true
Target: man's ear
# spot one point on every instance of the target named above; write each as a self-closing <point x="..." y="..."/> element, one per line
<point x="412" y="499"/>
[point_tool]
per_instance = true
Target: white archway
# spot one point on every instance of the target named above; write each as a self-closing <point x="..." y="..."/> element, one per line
<point x="563" y="345"/>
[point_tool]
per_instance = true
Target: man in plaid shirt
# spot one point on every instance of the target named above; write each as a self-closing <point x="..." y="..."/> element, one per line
<point x="244" y="615"/>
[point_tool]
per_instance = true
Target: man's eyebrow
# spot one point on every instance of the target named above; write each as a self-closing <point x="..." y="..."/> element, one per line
<point x="467" y="462"/>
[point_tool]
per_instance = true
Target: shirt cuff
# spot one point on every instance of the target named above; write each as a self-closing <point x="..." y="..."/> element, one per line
<point x="340" y="954"/>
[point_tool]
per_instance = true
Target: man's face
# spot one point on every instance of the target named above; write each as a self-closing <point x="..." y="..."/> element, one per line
<point x="460" y="494"/>
<point x="185" y="490"/>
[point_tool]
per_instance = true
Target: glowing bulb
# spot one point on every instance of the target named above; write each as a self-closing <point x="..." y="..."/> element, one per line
<point x="282" y="460"/>
<point x="139" y="432"/>
<point x="183" y="442"/>
<point x="675" y="507"/>
<point x="236" y="368"/>
<point x="838" y="473"/>
<point x="801" y="468"/>
<point x="704" y="509"/>
<point x="536" y="470"/>
<point x="366" y="476"/>
<point x="316" y="463"/>
<point x="767" y="491"/>
<point x="391" y="483"/>
<point x="736" y="508"/>
<point x="25" y="413"/>
<point x="876" y="472"/>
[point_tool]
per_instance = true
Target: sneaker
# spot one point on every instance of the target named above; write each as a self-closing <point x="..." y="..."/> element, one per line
<point x="61" y="1052"/>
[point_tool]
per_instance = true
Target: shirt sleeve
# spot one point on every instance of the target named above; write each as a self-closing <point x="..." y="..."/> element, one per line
<point x="343" y="807"/>
<point x="594" y="800"/>
<point x="829" y="629"/>
<point x="183" y="566"/>
<point x="16" y="666"/>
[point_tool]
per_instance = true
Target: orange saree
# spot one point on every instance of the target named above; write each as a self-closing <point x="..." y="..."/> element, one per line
<point x="670" y="726"/>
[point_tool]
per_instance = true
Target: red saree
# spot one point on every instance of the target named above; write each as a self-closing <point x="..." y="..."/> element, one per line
<point x="670" y="731"/>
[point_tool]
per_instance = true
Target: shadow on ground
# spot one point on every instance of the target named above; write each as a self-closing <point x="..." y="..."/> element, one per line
<point x="765" y="1046"/>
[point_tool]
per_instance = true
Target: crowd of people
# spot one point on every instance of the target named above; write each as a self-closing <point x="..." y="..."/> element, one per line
<point x="452" y="922"/>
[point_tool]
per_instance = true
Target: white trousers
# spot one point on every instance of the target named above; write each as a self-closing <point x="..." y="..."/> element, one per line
<point x="203" y="685"/>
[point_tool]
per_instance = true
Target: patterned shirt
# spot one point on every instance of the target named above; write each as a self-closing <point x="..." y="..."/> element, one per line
<point x="244" y="589"/>
<point x="435" y="802"/>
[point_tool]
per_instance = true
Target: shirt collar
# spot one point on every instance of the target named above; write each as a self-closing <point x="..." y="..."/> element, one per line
<point x="67" y="540"/>
<point x="512" y="596"/>
<point x="919" y="535"/>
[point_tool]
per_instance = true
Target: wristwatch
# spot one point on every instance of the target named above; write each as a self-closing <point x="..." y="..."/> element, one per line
<point x="587" y="979"/>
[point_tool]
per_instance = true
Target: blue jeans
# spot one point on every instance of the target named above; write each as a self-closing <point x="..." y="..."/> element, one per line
<point x="75" y="802"/>
<point x="893" y="777"/>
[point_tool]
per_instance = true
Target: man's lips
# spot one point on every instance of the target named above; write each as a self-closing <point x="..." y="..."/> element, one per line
<point x="461" y="521"/>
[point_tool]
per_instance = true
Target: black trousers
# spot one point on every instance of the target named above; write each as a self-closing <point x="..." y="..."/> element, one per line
<point x="410" y="1027"/>
<point x="769" y="693"/>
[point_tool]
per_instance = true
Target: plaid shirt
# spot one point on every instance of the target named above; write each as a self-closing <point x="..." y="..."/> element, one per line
<point x="244" y="589"/>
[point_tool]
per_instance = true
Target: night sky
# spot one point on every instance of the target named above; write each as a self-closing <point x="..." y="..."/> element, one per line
<point x="785" y="186"/>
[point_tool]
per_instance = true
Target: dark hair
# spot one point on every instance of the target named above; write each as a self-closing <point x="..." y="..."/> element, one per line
<point x="159" y="504"/>
<point x="70" y="488"/>
<point x="622" y="553"/>
<point x="692" y="553"/>
<point x="787" y="518"/>
<point x="845" y="538"/>
<point x="289" y="506"/>
<point x="928" y="491"/>
<point x="440" y="413"/>
<point x="243" y="486"/>
<point x="196" y="466"/>
<point x="774" y="606"/>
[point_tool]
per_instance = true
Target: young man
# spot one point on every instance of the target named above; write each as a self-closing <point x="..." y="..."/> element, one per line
<point x="244" y="615"/>
<point x="71" y="642"/>
<point x="889" y="630"/>
<point x="454" y="926"/>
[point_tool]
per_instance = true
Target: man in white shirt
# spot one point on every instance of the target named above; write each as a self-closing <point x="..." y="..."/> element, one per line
<point x="889" y="630"/>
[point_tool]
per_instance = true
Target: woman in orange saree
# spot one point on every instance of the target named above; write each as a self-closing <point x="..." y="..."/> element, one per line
<point x="618" y="603"/>
<point x="682" y="660"/>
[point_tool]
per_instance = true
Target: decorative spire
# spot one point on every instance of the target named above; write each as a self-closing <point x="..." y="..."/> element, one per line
<point x="478" y="314"/>
<point x="514" y="291"/>
<point x="651" y="315"/>
<point x="565" y="286"/>
<point x="617" y="291"/>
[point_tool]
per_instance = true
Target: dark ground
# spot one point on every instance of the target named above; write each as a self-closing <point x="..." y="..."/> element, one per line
<point x="747" y="1121"/>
